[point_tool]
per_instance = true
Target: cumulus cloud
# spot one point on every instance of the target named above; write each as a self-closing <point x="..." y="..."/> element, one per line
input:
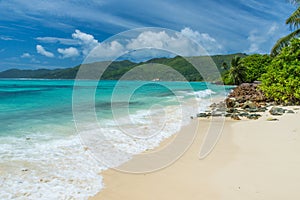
<point x="40" y="49"/>
<point x="108" y="50"/>
<point x="87" y="41"/>
<point x="209" y="43"/>
<point x="68" y="52"/>
<point x="26" y="55"/>
<point x="185" y="43"/>
<point x="182" y="43"/>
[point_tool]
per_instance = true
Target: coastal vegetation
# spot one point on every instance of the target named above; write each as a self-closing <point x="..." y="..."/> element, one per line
<point x="247" y="69"/>
<point x="281" y="81"/>
<point x="279" y="72"/>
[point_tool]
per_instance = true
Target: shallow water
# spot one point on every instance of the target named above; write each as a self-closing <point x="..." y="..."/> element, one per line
<point x="41" y="153"/>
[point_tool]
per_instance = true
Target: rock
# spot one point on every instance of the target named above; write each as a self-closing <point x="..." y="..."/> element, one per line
<point x="249" y="104"/>
<point x="296" y="108"/>
<point x="220" y="109"/>
<point x="202" y="115"/>
<point x="230" y="102"/>
<point x="217" y="113"/>
<point x="254" y="116"/>
<point x="214" y="105"/>
<point x="235" y="117"/>
<point x="262" y="109"/>
<point x="272" y="119"/>
<point x="228" y="115"/>
<point x="236" y="105"/>
<point x="277" y="111"/>
<point x="251" y="110"/>
<point x="244" y="114"/>
<point x="290" y="111"/>
<point x="231" y="110"/>
<point x="246" y="92"/>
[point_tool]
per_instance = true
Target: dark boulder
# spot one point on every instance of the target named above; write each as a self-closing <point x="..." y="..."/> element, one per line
<point x="203" y="115"/>
<point x="277" y="111"/>
<point x="249" y="105"/>
<point x="235" y="117"/>
<point x="243" y="114"/>
<point x="254" y="116"/>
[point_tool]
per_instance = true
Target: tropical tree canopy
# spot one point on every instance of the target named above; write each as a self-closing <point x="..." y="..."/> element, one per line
<point x="281" y="82"/>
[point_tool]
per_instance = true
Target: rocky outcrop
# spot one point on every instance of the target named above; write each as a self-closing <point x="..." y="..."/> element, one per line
<point x="277" y="111"/>
<point x="245" y="92"/>
<point x="245" y="101"/>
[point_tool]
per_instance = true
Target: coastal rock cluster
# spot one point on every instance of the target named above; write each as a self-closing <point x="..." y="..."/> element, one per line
<point x="245" y="101"/>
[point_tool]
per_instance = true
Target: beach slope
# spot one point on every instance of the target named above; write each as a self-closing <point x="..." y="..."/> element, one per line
<point x="255" y="159"/>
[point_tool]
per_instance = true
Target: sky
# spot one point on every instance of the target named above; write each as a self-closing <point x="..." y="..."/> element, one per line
<point x="59" y="34"/>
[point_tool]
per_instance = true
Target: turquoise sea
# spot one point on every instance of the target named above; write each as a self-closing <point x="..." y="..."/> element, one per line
<point x="41" y="154"/>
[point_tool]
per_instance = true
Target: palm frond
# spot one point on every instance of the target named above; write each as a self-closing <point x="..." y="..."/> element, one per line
<point x="294" y="19"/>
<point x="295" y="2"/>
<point x="283" y="42"/>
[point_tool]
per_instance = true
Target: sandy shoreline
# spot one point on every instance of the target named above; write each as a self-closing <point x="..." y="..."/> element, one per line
<point x="252" y="160"/>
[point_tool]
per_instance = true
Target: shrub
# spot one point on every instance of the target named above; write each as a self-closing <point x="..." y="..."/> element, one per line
<point x="281" y="82"/>
<point x="255" y="65"/>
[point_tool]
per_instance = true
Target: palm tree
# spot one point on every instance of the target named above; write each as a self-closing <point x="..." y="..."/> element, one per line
<point x="224" y="66"/>
<point x="237" y="70"/>
<point x="294" y="22"/>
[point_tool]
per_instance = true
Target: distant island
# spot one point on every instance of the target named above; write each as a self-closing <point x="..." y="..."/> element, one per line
<point x="117" y="69"/>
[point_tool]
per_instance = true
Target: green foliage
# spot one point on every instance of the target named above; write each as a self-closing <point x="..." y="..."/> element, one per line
<point x="247" y="69"/>
<point x="236" y="74"/>
<point x="255" y="65"/>
<point x="281" y="82"/>
<point x="227" y="78"/>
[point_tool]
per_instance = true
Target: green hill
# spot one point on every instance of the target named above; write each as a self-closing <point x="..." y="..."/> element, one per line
<point x="172" y="69"/>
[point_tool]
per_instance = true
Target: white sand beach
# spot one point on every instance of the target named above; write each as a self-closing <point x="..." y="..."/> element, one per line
<point x="254" y="159"/>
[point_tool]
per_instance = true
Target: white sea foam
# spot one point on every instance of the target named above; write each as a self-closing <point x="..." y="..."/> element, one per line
<point x="43" y="167"/>
<point x="54" y="169"/>
<point x="117" y="141"/>
<point x="204" y="93"/>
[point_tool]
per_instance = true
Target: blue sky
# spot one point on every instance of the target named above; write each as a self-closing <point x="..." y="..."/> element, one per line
<point x="55" y="34"/>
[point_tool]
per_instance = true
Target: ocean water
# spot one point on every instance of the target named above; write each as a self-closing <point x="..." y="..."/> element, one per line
<point x="46" y="130"/>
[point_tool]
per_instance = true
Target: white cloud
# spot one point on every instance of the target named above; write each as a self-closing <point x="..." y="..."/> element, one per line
<point x="5" y="38"/>
<point x="209" y="43"/>
<point x="182" y="43"/>
<point x="26" y="55"/>
<point x="258" y="39"/>
<point x="87" y="41"/>
<point x="272" y="30"/>
<point x="108" y="50"/>
<point x="40" y="49"/>
<point x="185" y="43"/>
<point x="65" y="41"/>
<point x="68" y="52"/>
<point x="33" y="60"/>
